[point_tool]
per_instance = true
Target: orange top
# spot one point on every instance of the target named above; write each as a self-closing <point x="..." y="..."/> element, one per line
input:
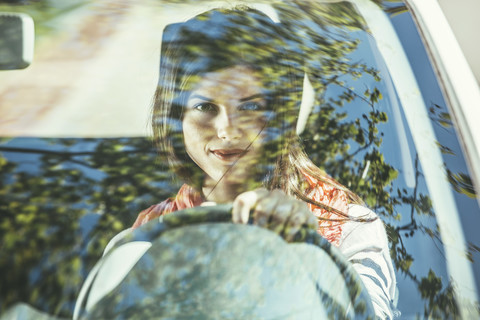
<point x="329" y="223"/>
<point x="318" y="191"/>
<point x="186" y="197"/>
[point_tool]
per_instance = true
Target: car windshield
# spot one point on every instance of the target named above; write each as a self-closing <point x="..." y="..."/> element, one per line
<point x="79" y="161"/>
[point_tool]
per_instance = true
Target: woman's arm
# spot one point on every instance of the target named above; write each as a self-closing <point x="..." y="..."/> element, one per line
<point x="365" y="245"/>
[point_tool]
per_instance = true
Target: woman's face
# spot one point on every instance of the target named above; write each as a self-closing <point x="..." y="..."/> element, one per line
<point x="223" y="125"/>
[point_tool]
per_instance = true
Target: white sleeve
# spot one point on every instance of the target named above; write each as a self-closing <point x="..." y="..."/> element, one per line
<point x="365" y="245"/>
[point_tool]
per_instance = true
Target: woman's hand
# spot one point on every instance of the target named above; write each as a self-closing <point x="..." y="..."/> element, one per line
<point x="273" y="210"/>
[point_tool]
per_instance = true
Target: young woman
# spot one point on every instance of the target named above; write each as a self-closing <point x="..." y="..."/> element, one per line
<point x="224" y="114"/>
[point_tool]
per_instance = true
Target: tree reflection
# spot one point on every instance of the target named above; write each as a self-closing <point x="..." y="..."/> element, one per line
<point x="61" y="202"/>
<point x="347" y="146"/>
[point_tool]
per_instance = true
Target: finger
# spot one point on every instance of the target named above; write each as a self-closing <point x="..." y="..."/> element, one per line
<point x="264" y="210"/>
<point x="242" y="205"/>
<point x="312" y="220"/>
<point x="280" y="218"/>
<point x="295" y="221"/>
<point x="293" y="227"/>
<point x="303" y="217"/>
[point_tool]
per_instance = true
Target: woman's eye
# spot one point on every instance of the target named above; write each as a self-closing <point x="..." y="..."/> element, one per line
<point x="205" y="107"/>
<point x="252" y="106"/>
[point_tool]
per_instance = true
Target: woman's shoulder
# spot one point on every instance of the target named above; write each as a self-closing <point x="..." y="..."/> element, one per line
<point x="364" y="229"/>
<point x="359" y="212"/>
<point x="154" y="211"/>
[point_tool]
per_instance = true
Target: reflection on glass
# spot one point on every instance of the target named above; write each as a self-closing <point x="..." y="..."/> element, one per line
<point x="63" y="199"/>
<point x="203" y="271"/>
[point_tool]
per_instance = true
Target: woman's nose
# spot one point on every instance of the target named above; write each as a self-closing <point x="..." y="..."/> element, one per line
<point x="228" y="126"/>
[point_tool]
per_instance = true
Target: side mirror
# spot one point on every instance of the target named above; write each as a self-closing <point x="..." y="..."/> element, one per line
<point x="16" y="40"/>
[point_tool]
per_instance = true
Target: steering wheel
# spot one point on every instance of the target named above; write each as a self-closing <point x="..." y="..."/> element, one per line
<point x="197" y="264"/>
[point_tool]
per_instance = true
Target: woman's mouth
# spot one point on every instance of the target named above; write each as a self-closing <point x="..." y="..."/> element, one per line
<point x="228" y="154"/>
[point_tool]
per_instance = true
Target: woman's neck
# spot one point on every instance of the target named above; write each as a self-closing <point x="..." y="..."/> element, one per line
<point x="221" y="192"/>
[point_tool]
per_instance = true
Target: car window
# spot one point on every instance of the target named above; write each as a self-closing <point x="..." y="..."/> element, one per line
<point x="78" y="162"/>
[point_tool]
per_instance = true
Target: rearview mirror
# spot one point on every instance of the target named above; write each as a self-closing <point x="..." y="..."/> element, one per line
<point x="16" y="40"/>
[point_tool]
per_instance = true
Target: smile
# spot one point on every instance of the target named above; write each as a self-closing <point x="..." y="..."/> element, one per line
<point x="228" y="154"/>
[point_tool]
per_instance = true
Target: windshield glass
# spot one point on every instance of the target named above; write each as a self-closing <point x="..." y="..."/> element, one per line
<point x="82" y="151"/>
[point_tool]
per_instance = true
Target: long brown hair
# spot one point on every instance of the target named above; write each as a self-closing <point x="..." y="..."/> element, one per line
<point x="222" y="38"/>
